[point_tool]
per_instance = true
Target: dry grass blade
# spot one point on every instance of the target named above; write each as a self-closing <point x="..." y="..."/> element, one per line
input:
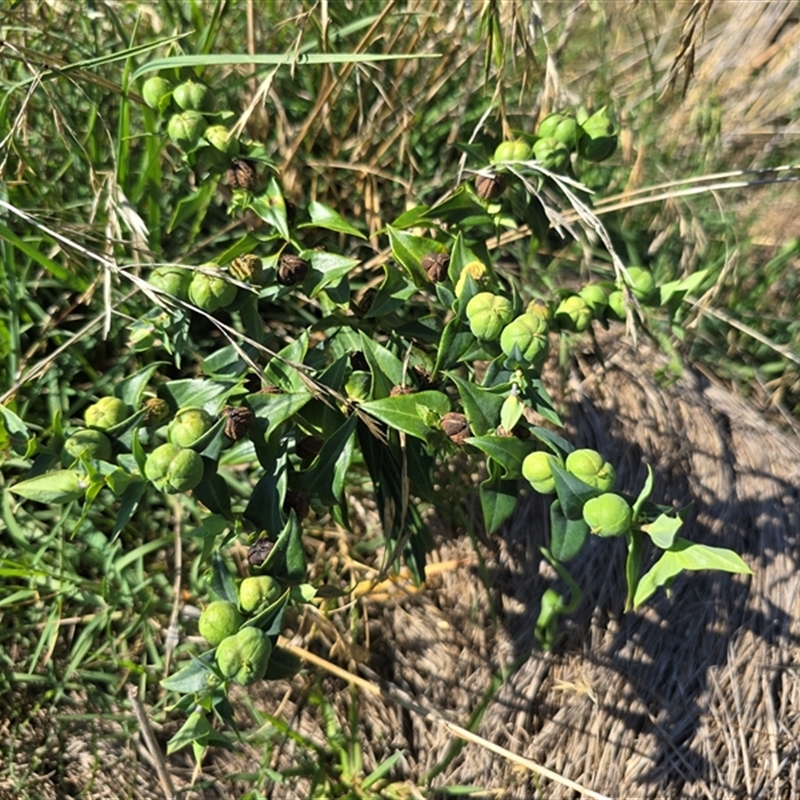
<point x="394" y="694"/>
<point x="693" y="30"/>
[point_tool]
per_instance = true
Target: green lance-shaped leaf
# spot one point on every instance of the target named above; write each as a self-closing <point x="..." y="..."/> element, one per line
<point x="287" y="558"/>
<point x="326" y="269"/>
<point x="221" y="581"/>
<point x="409" y="413"/>
<point x="482" y="407"/>
<point x="498" y="497"/>
<point x="59" y="486"/>
<point x="392" y="294"/>
<point x="409" y="250"/>
<point x="271" y="207"/>
<point x="685" y="555"/>
<point x="277" y="408"/>
<point x="194" y="677"/>
<point x="326" y="476"/>
<point x="507" y="451"/>
<point x="567" y="536"/>
<point x="324" y="217"/>
<point x="572" y="493"/>
<point x="663" y="530"/>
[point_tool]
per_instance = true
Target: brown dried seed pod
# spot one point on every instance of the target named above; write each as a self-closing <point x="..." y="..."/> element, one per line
<point x="237" y="421"/>
<point x="308" y="447"/>
<point x="456" y="427"/>
<point x="435" y="265"/>
<point x="246" y="268"/>
<point x="259" y="550"/>
<point x="156" y="411"/>
<point x="241" y="175"/>
<point x="297" y="500"/>
<point x="489" y="186"/>
<point x="291" y="269"/>
<point x="398" y="390"/>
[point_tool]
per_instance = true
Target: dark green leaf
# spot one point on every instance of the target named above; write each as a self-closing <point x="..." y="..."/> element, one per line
<point x="411" y="218"/>
<point x="277" y="408"/>
<point x="193" y="677"/>
<point x="481" y="406"/>
<point x="410" y="413"/>
<point x="324" y="217"/>
<point x="128" y="504"/>
<point x="392" y="294"/>
<point x="213" y="492"/>
<point x="567" y="536"/>
<point x="572" y="492"/>
<point x="287" y="558"/>
<point x="193" y="205"/>
<point x="326" y="476"/>
<point x="264" y="507"/>
<point x="210" y="394"/>
<point x="456" y="341"/>
<point x="386" y="368"/>
<point x="507" y="451"/>
<point x="326" y="269"/>
<point x="283" y="374"/>
<point x="270" y="619"/>
<point x="221" y="581"/>
<point x="409" y="250"/>
<point x="271" y="207"/>
<point x="132" y="388"/>
<point x="498" y="501"/>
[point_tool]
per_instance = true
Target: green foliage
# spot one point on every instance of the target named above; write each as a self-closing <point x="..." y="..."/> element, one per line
<point x="266" y="363"/>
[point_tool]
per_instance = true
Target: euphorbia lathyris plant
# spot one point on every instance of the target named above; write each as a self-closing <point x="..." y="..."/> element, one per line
<point x="333" y="372"/>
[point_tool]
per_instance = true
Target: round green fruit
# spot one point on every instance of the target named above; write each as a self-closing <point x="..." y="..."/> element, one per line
<point x="561" y="127"/>
<point x="172" y="280"/>
<point x="258" y="590"/>
<point x="154" y="92"/>
<point x="189" y="425"/>
<point x="607" y="515"/>
<point x="594" y="296"/>
<point x="218" y="137"/>
<point x="551" y="153"/>
<point x="173" y="469"/>
<point x="106" y="413"/>
<point x="589" y="466"/>
<point x="537" y="469"/>
<point x="573" y="314"/>
<point x="245" y="656"/>
<point x="601" y="123"/>
<point x="193" y="96"/>
<point x="598" y="140"/>
<point x="642" y="283"/>
<point x="528" y="333"/>
<point x="616" y="304"/>
<point x="488" y="314"/>
<point x="209" y="292"/>
<point x="186" y="129"/>
<point x="88" y="443"/>
<point x="512" y="151"/>
<point x="220" y="620"/>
